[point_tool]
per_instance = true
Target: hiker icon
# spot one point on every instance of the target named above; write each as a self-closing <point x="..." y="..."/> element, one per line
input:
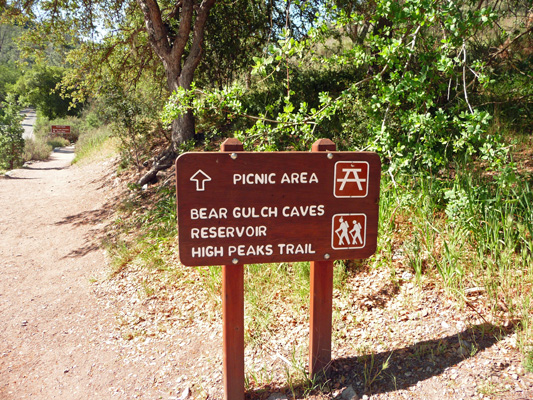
<point x="342" y="232"/>
<point x="356" y="233"/>
<point x="348" y="231"/>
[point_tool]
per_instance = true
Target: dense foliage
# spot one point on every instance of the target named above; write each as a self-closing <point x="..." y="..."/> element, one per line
<point x="40" y="87"/>
<point x="11" y="130"/>
<point x="9" y="55"/>
<point x="405" y="79"/>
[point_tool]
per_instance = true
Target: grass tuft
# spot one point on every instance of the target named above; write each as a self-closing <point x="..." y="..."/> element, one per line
<point x="95" y="144"/>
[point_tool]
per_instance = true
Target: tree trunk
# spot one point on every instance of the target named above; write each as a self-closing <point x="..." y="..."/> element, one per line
<point x="180" y="62"/>
<point x="183" y="129"/>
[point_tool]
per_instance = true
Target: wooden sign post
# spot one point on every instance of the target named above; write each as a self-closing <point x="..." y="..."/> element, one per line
<point x="233" y="315"/>
<point x="237" y="208"/>
<point x="321" y="301"/>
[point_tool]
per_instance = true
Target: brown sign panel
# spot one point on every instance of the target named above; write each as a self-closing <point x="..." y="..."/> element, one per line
<point x="276" y="207"/>
<point x="60" y="128"/>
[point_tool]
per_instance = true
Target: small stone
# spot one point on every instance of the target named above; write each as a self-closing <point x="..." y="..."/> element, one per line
<point x="185" y="394"/>
<point x="407" y="276"/>
<point x="463" y="351"/>
<point x="349" y="394"/>
<point x="24" y="323"/>
<point x="277" y="396"/>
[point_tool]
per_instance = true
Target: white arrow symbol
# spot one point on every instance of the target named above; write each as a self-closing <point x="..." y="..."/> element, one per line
<point x="200" y="177"/>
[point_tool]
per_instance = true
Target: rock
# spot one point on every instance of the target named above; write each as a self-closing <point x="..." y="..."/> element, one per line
<point x="398" y="255"/>
<point x="277" y="396"/>
<point x="465" y="349"/>
<point x="407" y="276"/>
<point x="349" y="394"/>
<point x="185" y="394"/>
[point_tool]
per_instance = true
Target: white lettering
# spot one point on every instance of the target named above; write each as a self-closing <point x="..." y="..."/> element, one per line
<point x="292" y="249"/>
<point x="251" y="250"/>
<point x="254" y="179"/>
<point x="299" y="177"/>
<point x="302" y="211"/>
<point x="214" y="232"/>
<point x="268" y="212"/>
<point x="205" y="213"/>
<point x="208" y="251"/>
<point x="252" y="212"/>
<point x="245" y="212"/>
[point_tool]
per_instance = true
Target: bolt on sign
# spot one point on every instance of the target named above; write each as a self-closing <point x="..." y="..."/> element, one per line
<point x="63" y="129"/>
<point x="245" y="207"/>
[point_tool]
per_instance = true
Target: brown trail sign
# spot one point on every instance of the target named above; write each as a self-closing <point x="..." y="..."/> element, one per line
<point x="238" y="208"/>
<point x="61" y="129"/>
<point x="245" y="208"/>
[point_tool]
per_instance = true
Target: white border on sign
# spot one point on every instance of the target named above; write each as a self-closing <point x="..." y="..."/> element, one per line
<point x="333" y="232"/>
<point x="335" y="178"/>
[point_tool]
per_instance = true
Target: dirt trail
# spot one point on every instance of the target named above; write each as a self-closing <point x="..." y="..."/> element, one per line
<point x="57" y="340"/>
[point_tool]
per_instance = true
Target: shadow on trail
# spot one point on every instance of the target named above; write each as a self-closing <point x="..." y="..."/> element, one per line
<point x="18" y="178"/>
<point x="82" y="251"/>
<point x="64" y="150"/>
<point x="92" y="217"/>
<point x="87" y="217"/>
<point x="405" y="367"/>
<point x="46" y="169"/>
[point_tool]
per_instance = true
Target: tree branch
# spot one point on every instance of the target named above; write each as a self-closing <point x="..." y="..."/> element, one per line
<point x="184" y="30"/>
<point x="157" y="31"/>
<point x="195" y="53"/>
<point x="464" y="78"/>
<point x="515" y="100"/>
<point x="504" y="48"/>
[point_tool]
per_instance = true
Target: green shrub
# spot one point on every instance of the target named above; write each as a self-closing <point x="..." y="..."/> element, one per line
<point x="92" y="120"/>
<point x="57" y="141"/>
<point x="36" y="150"/>
<point x="11" y="141"/>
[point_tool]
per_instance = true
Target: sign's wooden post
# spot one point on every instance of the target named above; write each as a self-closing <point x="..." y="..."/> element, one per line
<point x="233" y="315"/>
<point x="321" y="297"/>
